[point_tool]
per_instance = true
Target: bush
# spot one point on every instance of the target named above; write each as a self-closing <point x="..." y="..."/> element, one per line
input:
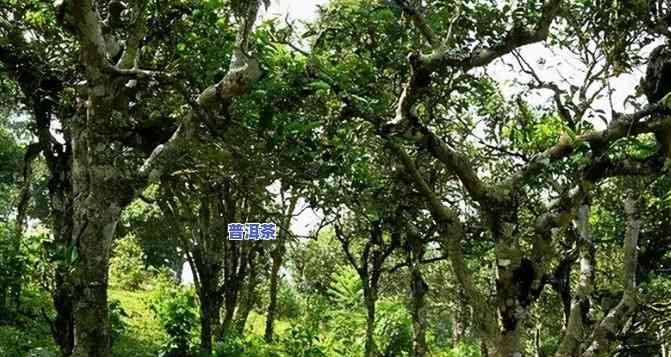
<point x="303" y="341"/>
<point x="14" y="266"/>
<point x="464" y="350"/>
<point x="23" y="341"/>
<point x="288" y="303"/>
<point x="176" y="308"/>
<point x="13" y="342"/>
<point x="393" y="328"/>
<point x="346" y="315"/>
<point x="127" y="267"/>
<point x="239" y="346"/>
<point x="116" y="315"/>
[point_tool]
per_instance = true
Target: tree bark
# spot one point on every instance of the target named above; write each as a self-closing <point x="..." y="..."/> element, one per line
<point x="100" y="193"/>
<point x="60" y="188"/>
<point x="63" y="330"/>
<point x="208" y="254"/>
<point x="94" y="242"/>
<point x="230" y="302"/>
<point x="570" y="344"/>
<point x="247" y="300"/>
<point x="370" y="297"/>
<point x="418" y="288"/>
<point x="238" y="257"/>
<point x="612" y="323"/>
<point x="210" y="305"/>
<point x="277" y="257"/>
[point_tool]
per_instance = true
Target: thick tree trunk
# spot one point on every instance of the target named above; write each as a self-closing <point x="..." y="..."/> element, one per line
<point x="277" y="257"/>
<point x="247" y="300"/>
<point x="370" y="297"/>
<point x="100" y="191"/>
<point x="99" y="197"/>
<point x="418" y="289"/>
<point x="95" y="224"/>
<point x="210" y="305"/>
<point x="515" y="276"/>
<point x="63" y="330"/>
<point x="230" y="302"/>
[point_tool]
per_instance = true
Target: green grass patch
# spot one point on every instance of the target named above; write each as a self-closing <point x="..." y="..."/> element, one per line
<point x="143" y="334"/>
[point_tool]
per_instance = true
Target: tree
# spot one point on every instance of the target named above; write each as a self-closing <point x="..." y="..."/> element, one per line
<point x="277" y="256"/>
<point x="100" y="185"/>
<point x="440" y="65"/>
<point x="380" y="115"/>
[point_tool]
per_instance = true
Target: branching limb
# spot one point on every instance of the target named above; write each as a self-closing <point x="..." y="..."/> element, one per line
<point x="616" y="318"/>
<point x="243" y="72"/>
<point x="419" y="21"/>
<point x="570" y="344"/>
<point x="622" y="126"/>
<point x="452" y="235"/>
<point x="421" y="78"/>
<point x="131" y="53"/>
<point x="518" y="37"/>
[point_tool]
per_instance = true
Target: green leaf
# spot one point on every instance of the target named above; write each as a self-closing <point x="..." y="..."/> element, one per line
<point x="319" y="84"/>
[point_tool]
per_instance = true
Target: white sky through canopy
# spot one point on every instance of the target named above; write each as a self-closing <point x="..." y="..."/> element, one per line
<point x="551" y="66"/>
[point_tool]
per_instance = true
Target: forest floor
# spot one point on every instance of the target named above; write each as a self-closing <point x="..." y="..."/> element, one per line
<point x="142" y="336"/>
<point x="29" y="334"/>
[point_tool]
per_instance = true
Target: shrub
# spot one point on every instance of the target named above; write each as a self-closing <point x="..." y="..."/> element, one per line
<point x="127" y="267"/>
<point x="393" y="328"/>
<point x="288" y="303"/>
<point x="346" y="315"/>
<point x="116" y="315"/>
<point x="464" y="349"/>
<point x="176" y="308"/>
<point x="13" y="263"/>
<point x="303" y="341"/>
<point x="243" y="346"/>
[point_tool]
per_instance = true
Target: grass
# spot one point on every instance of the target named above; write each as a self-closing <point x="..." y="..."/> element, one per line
<point x="256" y="324"/>
<point x="143" y="335"/>
<point x="28" y="335"/>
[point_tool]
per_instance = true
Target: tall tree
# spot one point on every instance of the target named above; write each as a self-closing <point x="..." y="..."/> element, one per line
<point x="501" y="185"/>
<point x="101" y="185"/>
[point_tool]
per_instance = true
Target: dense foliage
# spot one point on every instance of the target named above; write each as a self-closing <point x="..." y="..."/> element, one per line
<point x="479" y="178"/>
